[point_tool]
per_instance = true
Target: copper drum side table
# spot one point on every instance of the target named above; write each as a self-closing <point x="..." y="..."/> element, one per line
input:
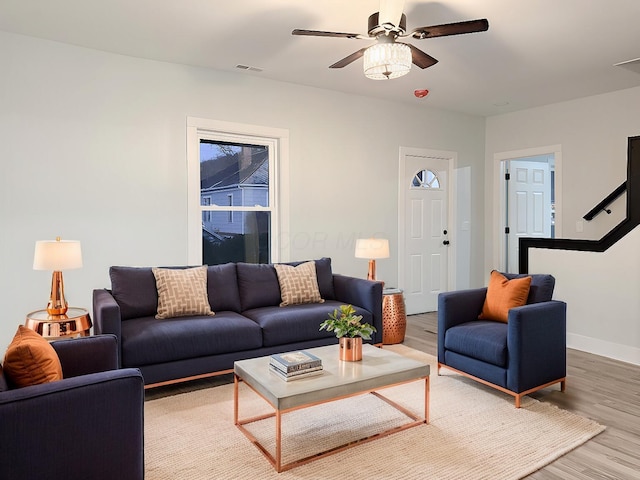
<point x="394" y="317"/>
<point x="75" y="323"/>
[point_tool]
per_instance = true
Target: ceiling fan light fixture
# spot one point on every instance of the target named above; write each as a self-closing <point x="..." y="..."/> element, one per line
<point x="384" y="61"/>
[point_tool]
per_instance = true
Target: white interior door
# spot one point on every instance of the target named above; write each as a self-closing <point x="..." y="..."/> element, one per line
<point x="529" y="205"/>
<point x="424" y="232"/>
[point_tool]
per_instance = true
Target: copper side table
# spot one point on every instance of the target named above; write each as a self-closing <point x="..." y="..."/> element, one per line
<point x="394" y="316"/>
<point x="75" y="323"/>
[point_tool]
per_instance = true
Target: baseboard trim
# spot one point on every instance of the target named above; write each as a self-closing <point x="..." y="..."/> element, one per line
<point x="615" y="351"/>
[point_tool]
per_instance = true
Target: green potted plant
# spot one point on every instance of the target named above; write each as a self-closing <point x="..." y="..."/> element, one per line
<point x="350" y="331"/>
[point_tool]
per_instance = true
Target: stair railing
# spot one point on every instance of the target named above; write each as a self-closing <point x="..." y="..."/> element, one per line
<point x="632" y="220"/>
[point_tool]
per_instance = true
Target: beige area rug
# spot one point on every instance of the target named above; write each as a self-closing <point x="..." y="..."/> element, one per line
<point x="475" y="433"/>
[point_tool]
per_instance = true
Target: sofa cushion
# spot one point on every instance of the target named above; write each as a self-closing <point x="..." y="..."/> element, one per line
<point x="324" y="274"/>
<point x="484" y="340"/>
<point x="182" y="292"/>
<point x="541" y="289"/>
<point x="135" y="291"/>
<point x="296" y="323"/>
<point x="298" y="284"/>
<point x="147" y="341"/>
<point x="134" y="288"/>
<point x="486" y="371"/>
<point x="504" y="294"/>
<point x="222" y="287"/>
<point x="31" y="360"/>
<point x="258" y="285"/>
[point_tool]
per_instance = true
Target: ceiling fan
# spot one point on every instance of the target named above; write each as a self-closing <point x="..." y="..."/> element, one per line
<point x="388" y="58"/>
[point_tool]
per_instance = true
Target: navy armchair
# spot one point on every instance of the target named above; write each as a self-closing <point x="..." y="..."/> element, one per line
<point x="525" y="354"/>
<point x="87" y="426"/>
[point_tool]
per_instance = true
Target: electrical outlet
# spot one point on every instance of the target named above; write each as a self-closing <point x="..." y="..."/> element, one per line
<point x="579" y="226"/>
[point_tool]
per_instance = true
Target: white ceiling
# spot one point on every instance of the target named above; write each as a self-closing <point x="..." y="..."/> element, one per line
<point x="535" y="52"/>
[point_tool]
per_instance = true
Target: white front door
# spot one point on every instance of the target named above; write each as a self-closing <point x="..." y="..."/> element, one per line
<point x="529" y="205"/>
<point x="423" y="235"/>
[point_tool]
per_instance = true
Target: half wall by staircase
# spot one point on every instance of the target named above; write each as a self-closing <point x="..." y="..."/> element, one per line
<point x="598" y="278"/>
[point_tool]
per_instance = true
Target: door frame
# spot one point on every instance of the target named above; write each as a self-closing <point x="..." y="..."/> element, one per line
<point x="452" y="158"/>
<point x="499" y="196"/>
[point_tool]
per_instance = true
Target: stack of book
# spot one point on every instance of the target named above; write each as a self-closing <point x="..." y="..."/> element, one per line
<point x="295" y="365"/>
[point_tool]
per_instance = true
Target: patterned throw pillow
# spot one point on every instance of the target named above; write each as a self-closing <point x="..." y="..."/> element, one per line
<point x="31" y="360"/>
<point x="298" y="284"/>
<point x="182" y="292"/>
<point x="502" y="295"/>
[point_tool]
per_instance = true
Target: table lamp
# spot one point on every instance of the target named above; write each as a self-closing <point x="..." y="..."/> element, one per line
<point x="57" y="255"/>
<point x="372" y="248"/>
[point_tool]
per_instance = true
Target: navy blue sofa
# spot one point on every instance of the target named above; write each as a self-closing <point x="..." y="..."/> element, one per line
<point x="525" y="354"/>
<point x="248" y="320"/>
<point x="89" y="425"/>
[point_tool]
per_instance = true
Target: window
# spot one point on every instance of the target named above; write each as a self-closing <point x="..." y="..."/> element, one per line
<point x="234" y="192"/>
<point x="230" y="203"/>
<point x="207" y="201"/>
<point x="425" y="179"/>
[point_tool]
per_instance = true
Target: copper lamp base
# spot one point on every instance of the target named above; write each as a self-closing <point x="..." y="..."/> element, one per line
<point x="371" y="275"/>
<point x="57" y="303"/>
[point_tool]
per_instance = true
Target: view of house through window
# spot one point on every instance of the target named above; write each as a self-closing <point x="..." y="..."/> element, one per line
<point x="235" y="202"/>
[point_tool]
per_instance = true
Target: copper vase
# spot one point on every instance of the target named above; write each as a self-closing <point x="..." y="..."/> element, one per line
<point x="350" y="349"/>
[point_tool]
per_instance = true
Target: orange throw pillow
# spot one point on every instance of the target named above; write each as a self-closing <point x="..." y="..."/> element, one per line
<point x="31" y="360"/>
<point x="503" y="295"/>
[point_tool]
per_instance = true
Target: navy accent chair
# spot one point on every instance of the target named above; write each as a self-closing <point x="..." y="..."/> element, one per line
<point x="87" y="426"/>
<point x="525" y="354"/>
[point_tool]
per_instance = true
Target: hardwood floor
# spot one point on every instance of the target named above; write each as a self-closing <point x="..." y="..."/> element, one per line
<point x="599" y="388"/>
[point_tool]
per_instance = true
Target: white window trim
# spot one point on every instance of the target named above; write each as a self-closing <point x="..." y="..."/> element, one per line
<point x="279" y="179"/>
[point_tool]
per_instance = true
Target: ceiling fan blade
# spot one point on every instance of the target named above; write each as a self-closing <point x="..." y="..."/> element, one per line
<point x="458" y="28"/>
<point x="320" y="33"/>
<point x="421" y="59"/>
<point x="390" y="12"/>
<point x="351" y="58"/>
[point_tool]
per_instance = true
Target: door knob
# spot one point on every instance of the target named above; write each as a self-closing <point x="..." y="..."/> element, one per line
<point x="445" y="242"/>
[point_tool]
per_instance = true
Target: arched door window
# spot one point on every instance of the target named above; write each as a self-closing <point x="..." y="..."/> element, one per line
<point x="425" y="179"/>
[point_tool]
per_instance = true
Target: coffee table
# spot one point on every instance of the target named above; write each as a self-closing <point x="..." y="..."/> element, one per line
<point x="378" y="369"/>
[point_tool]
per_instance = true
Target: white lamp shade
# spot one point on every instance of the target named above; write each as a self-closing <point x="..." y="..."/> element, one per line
<point x="57" y="255"/>
<point x="372" y="248"/>
<point x="384" y="61"/>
